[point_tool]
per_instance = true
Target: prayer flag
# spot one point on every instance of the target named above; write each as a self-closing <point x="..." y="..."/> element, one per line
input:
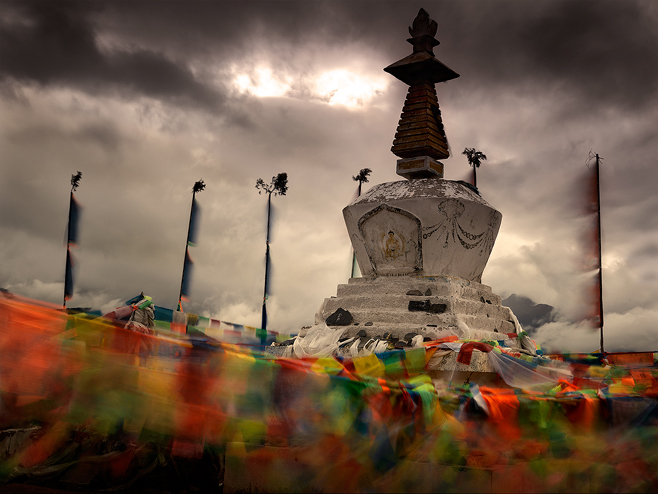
<point x="268" y="272"/>
<point x="193" y="232"/>
<point x="71" y="239"/>
<point x="593" y="303"/>
<point x="74" y="218"/>
<point x="68" y="277"/>
<point x="187" y="276"/>
<point x="263" y="322"/>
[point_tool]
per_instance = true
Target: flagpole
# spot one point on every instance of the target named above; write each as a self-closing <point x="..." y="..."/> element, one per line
<point x="361" y="177"/>
<point x="358" y="194"/>
<point x="67" y="272"/>
<point x="278" y="186"/>
<point x="187" y="254"/>
<point x="598" y="216"/>
<point x="263" y="320"/>
<point x="71" y="233"/>
<point x="198" y="187"/>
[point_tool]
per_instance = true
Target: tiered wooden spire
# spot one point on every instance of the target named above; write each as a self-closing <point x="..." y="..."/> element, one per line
<point x="420" y="139"/>
<point x="420" y="129"/>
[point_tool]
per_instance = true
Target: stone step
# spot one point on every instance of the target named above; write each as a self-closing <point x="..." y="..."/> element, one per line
<point x="402" y="303"/>
<point x="393" y="289"/>
<point x="399" y="331"/>
<point x="437" y="286"/>
<point x="423" y="319"/>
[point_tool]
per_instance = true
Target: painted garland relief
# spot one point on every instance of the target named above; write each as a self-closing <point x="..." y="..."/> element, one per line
<point x="450" y="231"/>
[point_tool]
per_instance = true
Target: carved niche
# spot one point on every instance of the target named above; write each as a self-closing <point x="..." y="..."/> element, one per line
<point x="393" y="240"/>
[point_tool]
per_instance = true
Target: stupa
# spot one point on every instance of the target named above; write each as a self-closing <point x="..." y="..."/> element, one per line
<point x="421" y="243"/>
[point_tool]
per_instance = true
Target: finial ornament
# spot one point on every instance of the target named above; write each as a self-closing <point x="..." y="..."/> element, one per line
<point x="423" y="31"/>
<point x="75" y="181"/>
<point x="198" y="186"/>
<point x="423" y="25"/>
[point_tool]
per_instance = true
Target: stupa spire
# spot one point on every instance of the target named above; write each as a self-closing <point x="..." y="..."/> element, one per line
<point x="420" y="140"/>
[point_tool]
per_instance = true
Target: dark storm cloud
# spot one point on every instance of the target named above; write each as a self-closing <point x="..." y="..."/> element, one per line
<point x="609" y="48"/>
<point x="597" y="51"/>
<point x="55" y="44"/>
<point x="601" y="51"/>
<point x="232" y="27"/>
<point x="150" y="73"/>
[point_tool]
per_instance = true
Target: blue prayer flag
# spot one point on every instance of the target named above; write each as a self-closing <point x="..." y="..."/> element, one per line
<point x="68" y="277"/>
<point x="74" y="219"/>
<point x="263" y="321"/>
<point x="187" y="275"/>
<point x="195" y="214"/>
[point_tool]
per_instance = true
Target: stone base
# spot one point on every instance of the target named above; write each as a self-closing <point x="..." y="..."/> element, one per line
<point x="432" y="306"/>
<point x="419" y="167"/>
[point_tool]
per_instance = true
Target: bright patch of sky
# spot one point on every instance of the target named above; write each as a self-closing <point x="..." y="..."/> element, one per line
<point x="263" y="83"/>
<point x="341" y="87"/>
<point x="334" y="87"/>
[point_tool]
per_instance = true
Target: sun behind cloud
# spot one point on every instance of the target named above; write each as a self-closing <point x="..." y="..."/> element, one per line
<point x="333" y="87"/>
<point x="263" y="83"/>
<point x="342" y="87"/>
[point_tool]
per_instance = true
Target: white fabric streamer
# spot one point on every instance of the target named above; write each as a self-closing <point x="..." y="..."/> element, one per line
<point x="416" y="340"/>
<point x="516" y="374"/>
<point x="354" y="349"/>
<point x="320" y="341"/>
<point x="382" y="346"/>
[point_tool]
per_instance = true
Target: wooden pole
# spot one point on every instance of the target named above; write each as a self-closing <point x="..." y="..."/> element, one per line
<point x="187" y="246"/>
<point x="353" y="272"/>
<point x="267" y="264"/>
<point x="71" y="238"/>
<point x="598" y="216"/>
<point x="68" y="249"/>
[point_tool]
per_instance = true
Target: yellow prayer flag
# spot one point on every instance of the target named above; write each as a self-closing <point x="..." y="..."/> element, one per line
<point x="327" y="365"/>
<point x="369" y="365"/>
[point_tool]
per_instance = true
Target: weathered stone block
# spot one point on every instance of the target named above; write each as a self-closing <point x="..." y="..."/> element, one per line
<point x="341" y="317"/>
<point x="426" y="306"/>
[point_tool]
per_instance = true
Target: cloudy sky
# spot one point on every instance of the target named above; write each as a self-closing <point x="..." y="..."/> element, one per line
<point x="145" y="98"/>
